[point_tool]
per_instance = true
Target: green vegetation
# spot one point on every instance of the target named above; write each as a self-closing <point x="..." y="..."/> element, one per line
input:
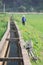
<point x="32" y="30"/>
<point x="3" y="24"/>
<point x="22" y="5"/>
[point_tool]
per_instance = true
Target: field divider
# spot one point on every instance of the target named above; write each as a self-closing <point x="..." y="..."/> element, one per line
<point x="4" y="43"/>
<point x="26" y="59"/>
<point x="3" y="40"/>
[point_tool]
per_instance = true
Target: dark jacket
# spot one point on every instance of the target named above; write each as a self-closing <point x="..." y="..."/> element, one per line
<point x="23" y="19"/>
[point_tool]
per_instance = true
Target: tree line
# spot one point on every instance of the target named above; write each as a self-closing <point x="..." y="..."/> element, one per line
<point x="22" y="5"/>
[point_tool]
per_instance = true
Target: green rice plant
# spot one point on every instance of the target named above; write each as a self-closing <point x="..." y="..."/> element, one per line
<point x="33" y="30"/>
<point x="3" y="24"/>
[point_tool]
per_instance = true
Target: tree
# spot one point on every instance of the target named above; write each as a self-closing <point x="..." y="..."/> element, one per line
<point x="23" y="5"/>
<point x="0" y="2"/>
<point x="22" y="8"/>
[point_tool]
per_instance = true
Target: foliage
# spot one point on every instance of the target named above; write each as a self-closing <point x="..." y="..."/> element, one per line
<point x="13" y="5"/>
<point x="22" y="9"/>
<point x="3" y="24"/>
<point x="33" y="30"/>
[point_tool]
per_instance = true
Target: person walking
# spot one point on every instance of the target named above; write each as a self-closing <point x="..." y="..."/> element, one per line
<point x="23" y="20"/>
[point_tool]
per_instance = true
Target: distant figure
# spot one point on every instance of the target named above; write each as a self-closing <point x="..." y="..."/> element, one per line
<point x="11" y="18"/>
<point x="23" y="20"/>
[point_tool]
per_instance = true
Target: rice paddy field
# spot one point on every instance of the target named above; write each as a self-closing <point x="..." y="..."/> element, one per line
<point x="3" y="24"/>
<point x="32" y="30"/>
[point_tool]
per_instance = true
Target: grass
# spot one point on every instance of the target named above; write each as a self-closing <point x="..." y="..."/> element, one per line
<point x="33" y="30"/>
<point x="3" y="24"/>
